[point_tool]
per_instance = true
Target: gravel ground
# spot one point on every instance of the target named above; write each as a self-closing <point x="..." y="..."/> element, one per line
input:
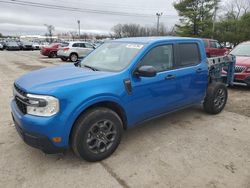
<point x="186" y="149"/>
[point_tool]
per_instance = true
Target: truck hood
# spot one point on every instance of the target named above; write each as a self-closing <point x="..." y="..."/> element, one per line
<point x="47" y="80"/>
<point x="243" y="60"/>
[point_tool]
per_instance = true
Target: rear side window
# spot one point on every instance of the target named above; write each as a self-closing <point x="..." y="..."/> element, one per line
<point x="189" y="54"/>
<point x="76" y="45"/>
<point x="82" y="45"/>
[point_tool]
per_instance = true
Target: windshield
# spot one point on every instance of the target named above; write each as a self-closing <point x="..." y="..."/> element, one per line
<point x="113" y="56"/>
<point x="241" y="50"/>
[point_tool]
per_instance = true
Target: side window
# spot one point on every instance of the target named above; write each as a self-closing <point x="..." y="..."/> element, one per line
<point x="213" y="44"/>
<point x="160" y="57"/>
<point x="76" y="45"/>
<point x="82" y="45"/>
<point x="217" y="45"/>
<point x="189" y="54"/>
<point x="87" y="45"/>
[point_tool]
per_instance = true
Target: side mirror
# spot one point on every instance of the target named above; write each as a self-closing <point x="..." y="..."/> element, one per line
<point x="146" y="71"/>
<point x="77" y="63"/>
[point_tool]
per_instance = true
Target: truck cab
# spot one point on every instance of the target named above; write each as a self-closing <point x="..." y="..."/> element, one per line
<point x="122" y="83"/>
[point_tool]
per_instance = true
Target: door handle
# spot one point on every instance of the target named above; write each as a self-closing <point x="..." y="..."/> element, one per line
<point x="199" y="70"/>
<point x="170" y="77"/>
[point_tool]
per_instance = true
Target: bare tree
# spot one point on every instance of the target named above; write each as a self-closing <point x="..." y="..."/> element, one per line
<point x="73" y="35"/>
<point x="136" y="30"/>
<point x="50" y="29"/>
<point x="117" y="30"/>
<point x="236" y="8"/>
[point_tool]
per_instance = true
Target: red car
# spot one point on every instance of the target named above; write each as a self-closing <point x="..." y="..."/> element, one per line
<point x="213" y="48"/>
<point x="51" y="50"/>
<point x="242" y="67"/>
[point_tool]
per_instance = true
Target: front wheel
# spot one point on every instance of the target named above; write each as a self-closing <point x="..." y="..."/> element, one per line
<point x="216" y="98"/>
<point x="73" y="57"/>
<point x="96" y="134"/>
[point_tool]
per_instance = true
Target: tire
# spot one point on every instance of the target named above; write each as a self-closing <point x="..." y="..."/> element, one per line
<point x="73" y="57"/>
<point x="216" y="98"/>
<point x="64" y="58"/>
<point x="52" y="55"/>
<point x="96" y="134"/>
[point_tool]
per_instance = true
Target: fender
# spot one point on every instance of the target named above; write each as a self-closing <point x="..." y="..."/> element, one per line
<point x="86" y="104"/>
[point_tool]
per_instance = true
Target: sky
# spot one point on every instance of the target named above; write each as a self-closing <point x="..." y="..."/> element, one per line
<point x="26" y="20"/>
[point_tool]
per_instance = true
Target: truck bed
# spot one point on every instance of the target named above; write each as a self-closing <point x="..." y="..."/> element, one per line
<point x="216" y="66"/>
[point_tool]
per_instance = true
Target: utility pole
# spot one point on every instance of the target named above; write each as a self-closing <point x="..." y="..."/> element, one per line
<point x="158" y="21"/>
<point x="79" y="29"/>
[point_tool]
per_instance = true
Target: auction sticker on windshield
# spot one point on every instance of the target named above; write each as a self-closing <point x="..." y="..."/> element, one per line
<point x="136" y="46"/>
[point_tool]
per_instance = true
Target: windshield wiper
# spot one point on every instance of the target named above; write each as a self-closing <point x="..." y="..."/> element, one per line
<point x="92" y="68"/>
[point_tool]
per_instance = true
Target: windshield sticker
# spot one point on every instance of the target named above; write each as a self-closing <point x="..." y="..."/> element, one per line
<point x="136" y="46"/>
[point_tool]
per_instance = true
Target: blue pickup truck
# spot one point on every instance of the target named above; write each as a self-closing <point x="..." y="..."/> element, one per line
<point x="87" y="105"/>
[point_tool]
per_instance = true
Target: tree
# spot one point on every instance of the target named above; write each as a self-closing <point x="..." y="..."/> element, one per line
<point x="50" y="29"/>
<point x="196" y="17"/>
<point x="234" y="25"/>
<point x="136" y="30"/>
<point x="73" y="35"/>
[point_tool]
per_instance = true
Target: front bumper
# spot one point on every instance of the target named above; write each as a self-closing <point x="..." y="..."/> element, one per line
<point x="37" y="141"/>
<point x="38" y="132"/>
<point x="242" y="78"/>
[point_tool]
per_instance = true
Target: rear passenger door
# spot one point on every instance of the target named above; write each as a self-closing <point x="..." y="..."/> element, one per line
<point x="85" y="49"/>
<point x="191" y="73"/>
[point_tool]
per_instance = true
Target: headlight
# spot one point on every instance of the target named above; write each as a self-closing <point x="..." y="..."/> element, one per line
<point x="248" y="70"/>
<point x="41" y="105"/>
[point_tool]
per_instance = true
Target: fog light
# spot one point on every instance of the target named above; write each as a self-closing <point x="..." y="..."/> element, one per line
<point x="57" y="139"/>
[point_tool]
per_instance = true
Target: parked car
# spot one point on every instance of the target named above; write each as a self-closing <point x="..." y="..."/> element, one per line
<point x="1" y="46"/>
<point x="214" y="48"/>
<point x="12" y="46"/>
<point x="242" y="67"/>
<point x="75" y="50"/>
<point x="120" y="84"/>
<point x="24" y="45"/>
<point x="51" y="50"/>
<point x="36" y="46"/>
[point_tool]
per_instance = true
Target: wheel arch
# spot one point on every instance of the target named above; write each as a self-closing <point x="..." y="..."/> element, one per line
<point x="116" y="107"/>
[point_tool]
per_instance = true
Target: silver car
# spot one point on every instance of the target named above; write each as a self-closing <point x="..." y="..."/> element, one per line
<point x="75" y="50"/>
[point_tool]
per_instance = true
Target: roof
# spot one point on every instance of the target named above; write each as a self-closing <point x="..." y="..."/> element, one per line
<point x="76" y="41"/>
<point x="246" y="42"/>
<point x="147" y="40"/>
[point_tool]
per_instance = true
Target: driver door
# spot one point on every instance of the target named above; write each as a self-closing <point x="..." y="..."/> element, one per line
<point x="155" y="95"/>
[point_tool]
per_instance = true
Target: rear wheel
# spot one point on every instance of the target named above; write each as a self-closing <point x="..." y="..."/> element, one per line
<point x="96" y="134"/>
<point x="216" y="98"/>
<point x="52" y="55"/>
<point x="73" y="57"/>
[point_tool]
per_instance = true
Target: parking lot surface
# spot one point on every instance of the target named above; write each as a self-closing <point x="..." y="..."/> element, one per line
<point x="185" y="149"/>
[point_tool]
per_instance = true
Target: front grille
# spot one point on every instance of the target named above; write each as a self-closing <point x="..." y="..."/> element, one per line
<point x="238" y="69"/>
<point x="19" y="101"/>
